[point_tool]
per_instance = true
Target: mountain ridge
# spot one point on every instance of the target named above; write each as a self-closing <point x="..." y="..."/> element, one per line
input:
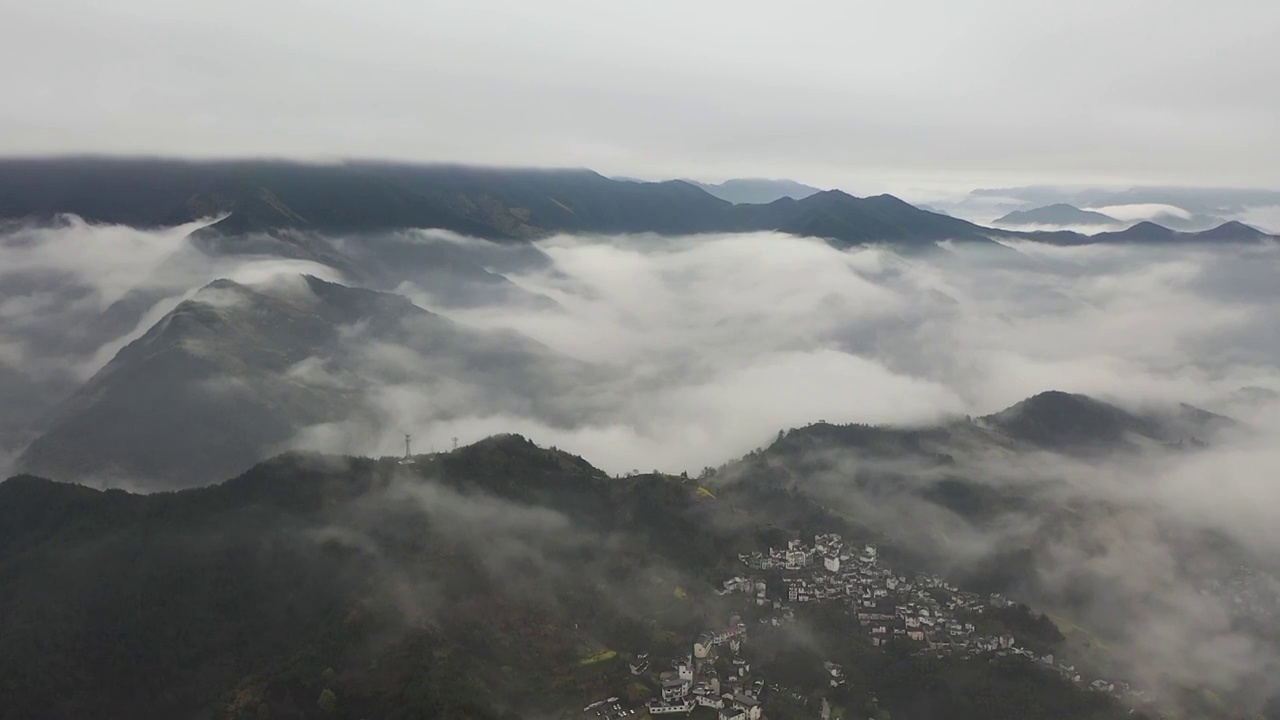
<point x="1056" y="214"/>
<point x="306" y="550"/>
<point x="236" y="370"/>
<point x="507" y="205"/>
<point x="276" y="198"/>
<point x="757" y="191"/>
<point x="391" y="588"/>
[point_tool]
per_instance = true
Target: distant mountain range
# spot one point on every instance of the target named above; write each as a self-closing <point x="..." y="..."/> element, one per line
<point x="1186" y="209"/>
<point x="490" y="203"/>
<point x="1150" y="233"/>
<point x="757" y="191"/>
<point x="268" y="197"/>
<point x="1057" y="214"/>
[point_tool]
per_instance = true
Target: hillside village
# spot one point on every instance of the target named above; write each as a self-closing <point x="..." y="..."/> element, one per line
<point x="924" y="610"/>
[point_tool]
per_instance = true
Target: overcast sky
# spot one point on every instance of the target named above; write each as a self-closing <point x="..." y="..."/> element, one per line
<point x="860" y="95"/>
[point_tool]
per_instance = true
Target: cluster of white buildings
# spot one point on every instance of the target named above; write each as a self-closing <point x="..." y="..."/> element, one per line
<point x="925" y="609"/>
<point x="694" y="681"/>
<point x="887" y="604"/>
<point x="828" y="550"/>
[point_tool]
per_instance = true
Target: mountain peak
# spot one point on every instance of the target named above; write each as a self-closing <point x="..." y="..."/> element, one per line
<point x="1060" y="419"/>
<point x="1056" y="214"/>
<point x="887" y="199"/>
<point x="1146" y="228"/>
<point x="222" y="284"/>
<point x="1232" y="231"/>
<point x="756" y="191"/>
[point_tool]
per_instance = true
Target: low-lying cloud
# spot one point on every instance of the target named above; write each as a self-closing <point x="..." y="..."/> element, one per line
<point x="72" y="294"/>
<point x="663" y="353"/>
<point x="702" y="347"/>
<point x="723" y="339"/>
<point x="1142" y="211"/>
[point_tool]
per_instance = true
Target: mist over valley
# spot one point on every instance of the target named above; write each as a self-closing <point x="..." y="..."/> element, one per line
<point x="354" y="455"/>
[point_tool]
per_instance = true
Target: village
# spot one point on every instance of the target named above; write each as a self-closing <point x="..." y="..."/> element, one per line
<point x="713" y="675"/>
<point x="925" y="610"/>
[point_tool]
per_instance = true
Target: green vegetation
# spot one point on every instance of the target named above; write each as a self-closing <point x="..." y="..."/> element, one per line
<point x="466" y="585"/>
<point x="599" y="657"/>
<point x="1034" y="631"/>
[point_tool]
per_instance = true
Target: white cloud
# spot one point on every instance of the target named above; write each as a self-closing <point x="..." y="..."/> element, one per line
<point x="1265" y="218"/>
<point x="1142" y="211"/>
<point x="977" y="94"/>
<point x="712" y="343"/>
<point x="703" y="347"/>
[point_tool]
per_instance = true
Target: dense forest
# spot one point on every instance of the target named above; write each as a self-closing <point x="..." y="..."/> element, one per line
<point x="485" y="582"/>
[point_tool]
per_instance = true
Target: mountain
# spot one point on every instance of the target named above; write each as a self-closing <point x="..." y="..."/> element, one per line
<point x="1056" y="214"/>
<point x="265" y="196"/>
<point x="924" y="488"/>
<point x="1143" y="232"/>
<point x="1071" y="423"/>
<point x="882" y="218"/>
<point x="1186" y="209"/>
<point x="1059" y="420"/>
<point x="1234" y="232"/>
<point x="500" y="580"/>
<point x="933" y="460"/>
<point x="756" y="191"/>
<point x="235" y="372"/>
<point x="395" y="586"/>
<point x="1058" y="501"/>
<point x="272" y="198"/>
<point x="464" y="584"/>
<point x="290" y="207"/>
<point x="1149" y="232"/>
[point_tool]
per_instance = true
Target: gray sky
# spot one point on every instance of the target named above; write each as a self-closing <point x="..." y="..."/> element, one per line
<point x="865" y="96"/>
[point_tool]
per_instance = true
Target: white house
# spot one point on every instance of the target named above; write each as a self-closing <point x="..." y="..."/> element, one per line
<point x="748" y="705"/>
<point x="708" y="699"/>
<point x="662" y="708"/>
<point x="675" y="689"/>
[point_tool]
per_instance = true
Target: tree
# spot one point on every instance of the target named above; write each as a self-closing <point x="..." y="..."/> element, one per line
<point x="328" y="701"/>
